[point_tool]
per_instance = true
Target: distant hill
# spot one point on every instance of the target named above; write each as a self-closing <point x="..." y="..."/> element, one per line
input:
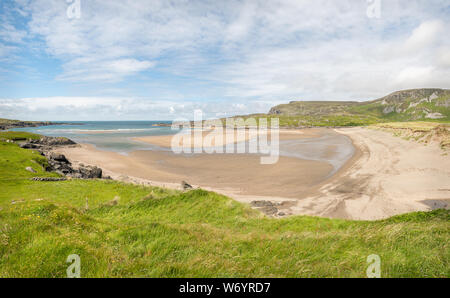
<point x="405" y="105"/>
<point x="7" y="123"/>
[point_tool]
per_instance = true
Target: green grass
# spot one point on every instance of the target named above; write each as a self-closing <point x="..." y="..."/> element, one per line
<point x="415" y="126"/>
<point x="18" y="135"/>
<point x="405" y="105"/>
<point x="155" y="232"/>
<point x="420" y="131"/>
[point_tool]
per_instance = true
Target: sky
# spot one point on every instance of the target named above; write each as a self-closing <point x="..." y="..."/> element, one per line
<point x="73" y="60"/>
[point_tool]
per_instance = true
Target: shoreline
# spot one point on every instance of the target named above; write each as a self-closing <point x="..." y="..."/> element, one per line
<point x="348" y="193"/>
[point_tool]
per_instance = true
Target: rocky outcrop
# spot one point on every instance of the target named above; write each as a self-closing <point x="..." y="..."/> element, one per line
<point x="47" y="143"/>
<point x="89" y="172"/>
<point x="272" y="209"/>
<point x="266" y="207"/>
<point x="58" y="162"/>
<point x="53" y="141"/>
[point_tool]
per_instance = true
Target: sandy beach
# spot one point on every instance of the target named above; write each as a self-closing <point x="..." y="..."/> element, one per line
<point x="221" y="138"/>
<point x="387" y="175"/>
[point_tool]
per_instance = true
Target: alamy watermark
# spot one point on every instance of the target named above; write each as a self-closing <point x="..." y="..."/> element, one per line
<point x="374" y="268"/>
<point x="231" y="135"/>
<point x="373" y="9"/>
<point x="74" y="9"/>
<point x="74" y="269"/>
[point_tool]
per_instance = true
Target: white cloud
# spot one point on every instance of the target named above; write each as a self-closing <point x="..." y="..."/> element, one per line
<point x="61" y="108"/>
<point x="254" y="53"/>
<point x="424" y="35"/>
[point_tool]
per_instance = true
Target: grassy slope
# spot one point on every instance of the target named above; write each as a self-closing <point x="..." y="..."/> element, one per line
<point x="406" y="105"/>
<point x="193" y="234"/>
<point x="423" y="132"/>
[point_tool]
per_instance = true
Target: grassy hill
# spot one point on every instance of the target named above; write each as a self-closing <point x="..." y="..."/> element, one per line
<point x="406" y="105"/>
<point x="155" y="232"/>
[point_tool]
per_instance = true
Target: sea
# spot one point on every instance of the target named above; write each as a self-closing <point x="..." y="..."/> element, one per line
<point x="117" y="136"/>
<point x="106" y="135"/>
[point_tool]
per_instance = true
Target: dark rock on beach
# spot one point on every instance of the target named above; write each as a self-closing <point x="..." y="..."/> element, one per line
<point x="185" y="185"/>
<point x="58" y="162"/>
<point x="46" y="144"/>
<point x="53" y="141"/>
<point x="266" y="207"/>
<point x="90" y="172"/>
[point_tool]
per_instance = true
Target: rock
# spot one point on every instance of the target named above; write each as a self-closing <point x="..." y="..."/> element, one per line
<point x="47" y="143"/>
<point x="113" y="202"/>
<point x="90" y="172"/>
<point x="75" y="175"/>
<point x="58" y="157"/>
<point x="148" y="197"/>
<point x="434" y="116"/>
<point x="388" y="110"/>
<point x="30" y="169"/>
<point x="281" y="214"/>
<point x="266" y="207"/>
<point x="261" y="203"/>
<point x="58" y="162"/>
<point x="185" y="185"/>
<point x="48" y="179"/>
<point x="53" y="141"/>
<point x="30" y="146"/>
<point x="18" y="201"/>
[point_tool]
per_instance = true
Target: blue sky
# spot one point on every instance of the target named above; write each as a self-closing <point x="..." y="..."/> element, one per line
<point x="147" y="60"/>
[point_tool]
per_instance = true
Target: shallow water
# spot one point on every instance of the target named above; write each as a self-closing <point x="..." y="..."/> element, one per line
<point x="330" y="147"/>
<point x="106" y="135"/>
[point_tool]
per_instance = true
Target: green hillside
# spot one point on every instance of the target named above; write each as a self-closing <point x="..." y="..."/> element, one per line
<point x="125" y="230"/>
<point x="406" y="105"/>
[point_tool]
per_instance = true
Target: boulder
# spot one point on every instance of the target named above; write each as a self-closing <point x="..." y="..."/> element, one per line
<point x="90" y="172"/>
<point x="58" y="157"/>
<point x="30" y="146"/>
<point x="113" y="202"/>
<point x="267" y="207"/>
<point x="30" y="169"/>
<point x="185" y="185"/>
<point x="53" y="141"/>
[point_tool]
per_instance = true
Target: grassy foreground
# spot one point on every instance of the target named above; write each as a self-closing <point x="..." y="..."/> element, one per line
<point x="154" y="232"/>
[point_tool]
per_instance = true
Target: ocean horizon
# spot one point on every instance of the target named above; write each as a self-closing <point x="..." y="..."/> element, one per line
<point x="106" y="135"/>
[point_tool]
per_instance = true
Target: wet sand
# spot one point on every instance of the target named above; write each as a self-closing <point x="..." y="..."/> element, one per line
<point x="213" y="138"/>
<point x="383" y="176"/>
<point x="237" y="175"/>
